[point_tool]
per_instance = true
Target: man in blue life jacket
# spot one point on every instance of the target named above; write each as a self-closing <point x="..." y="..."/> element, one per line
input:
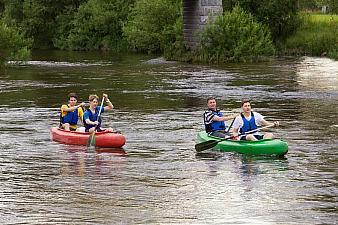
<point x="71" y="113"/>
<point x="91" y="118"/>
<point x="248" y="121"/>
<point x="214" y="121"/>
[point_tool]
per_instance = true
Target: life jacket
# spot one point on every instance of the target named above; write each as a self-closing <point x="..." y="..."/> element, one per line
<point x="248" y="125"/>
<point x="70" y="117"/>
<point x="92" y="117"/>
<point x="215" y="125"/>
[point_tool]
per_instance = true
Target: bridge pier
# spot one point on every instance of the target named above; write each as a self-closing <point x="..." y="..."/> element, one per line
<point x="196" y="14"/>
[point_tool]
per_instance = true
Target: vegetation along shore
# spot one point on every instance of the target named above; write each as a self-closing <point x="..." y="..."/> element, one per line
<point x="246" y="31"/>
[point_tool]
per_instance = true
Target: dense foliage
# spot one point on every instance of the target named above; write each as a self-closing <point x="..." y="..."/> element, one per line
<point x="280" y="16"/>
<point x="13" y="46"/>
<point x="157" y="26"/>
<point x="96" y="25"/>
<point x="152" y="24"/>
<point x="235" y="36"/>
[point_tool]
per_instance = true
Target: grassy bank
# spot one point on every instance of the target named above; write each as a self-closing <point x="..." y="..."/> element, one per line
<point x="317" y="36"/>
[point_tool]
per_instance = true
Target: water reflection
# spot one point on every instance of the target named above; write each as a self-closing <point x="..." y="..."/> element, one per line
<point x="158" y="178"/>
<point x="318" y="73"/>
<point x="82" y="161"/>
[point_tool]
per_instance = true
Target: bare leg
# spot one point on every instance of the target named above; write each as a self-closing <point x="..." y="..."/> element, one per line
<point x="66" y="126"/>
<point x="268" y="136"/>
<point x="250" y="137"/>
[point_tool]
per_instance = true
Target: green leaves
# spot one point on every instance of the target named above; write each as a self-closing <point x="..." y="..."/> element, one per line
<point x="13" y="45"/>
<point x="235" y="36"/>
<point x="152" y="25"/>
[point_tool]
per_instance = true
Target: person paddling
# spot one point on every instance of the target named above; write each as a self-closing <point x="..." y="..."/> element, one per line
<point x="71" y="113"/>
<point x="249" y="120"/>
<point x="91" y="118"/>
<point x="214" y="121"/>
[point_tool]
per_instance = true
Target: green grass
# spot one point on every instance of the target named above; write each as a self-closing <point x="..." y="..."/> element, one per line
<point x="317" y="36"/>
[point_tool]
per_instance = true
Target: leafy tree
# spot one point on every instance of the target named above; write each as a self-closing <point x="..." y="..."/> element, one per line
<point x="280" y="16"/>
<point x="235" y="36"/>
<point x="36" y="18"/>
<point x="98" y="25"/>
<point x="13" y="46"/>
<point x="152" y="25"/>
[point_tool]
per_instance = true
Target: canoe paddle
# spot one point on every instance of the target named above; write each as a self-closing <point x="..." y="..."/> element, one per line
<point x="92" y="137"/>
<point x="212" y="143"/>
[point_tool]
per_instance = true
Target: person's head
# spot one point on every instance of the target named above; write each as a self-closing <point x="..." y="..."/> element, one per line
<point x="93" y="100"/>
<point x="246" y="106"/>
<point x="211" y="103"/>
<point x="72" y="98"/>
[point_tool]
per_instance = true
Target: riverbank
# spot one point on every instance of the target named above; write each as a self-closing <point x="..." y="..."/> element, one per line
<point x="317" y="36"/>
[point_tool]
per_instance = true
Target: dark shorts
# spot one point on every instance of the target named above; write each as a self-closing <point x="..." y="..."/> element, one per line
<point x="219" y="133"/>
<point x="257" y="136"/>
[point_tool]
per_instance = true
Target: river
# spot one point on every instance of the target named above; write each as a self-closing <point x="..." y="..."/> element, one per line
<point x="157" y="178"/>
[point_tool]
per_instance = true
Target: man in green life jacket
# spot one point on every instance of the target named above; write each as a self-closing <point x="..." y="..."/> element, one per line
<point x="71" y="113"/>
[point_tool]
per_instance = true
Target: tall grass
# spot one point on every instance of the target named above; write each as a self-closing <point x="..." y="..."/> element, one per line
<point x="317" y="36"/>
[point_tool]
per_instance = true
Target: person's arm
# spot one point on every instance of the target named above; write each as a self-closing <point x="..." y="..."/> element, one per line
<point x="71" y="109"/>
<point x="266" y="123"/>
<point x="263" y="122"/>
<point x="224" y="118"/>
<point x="88" y="121"/>
<point x="109" y="105"/>
<point x="236" y="126"/>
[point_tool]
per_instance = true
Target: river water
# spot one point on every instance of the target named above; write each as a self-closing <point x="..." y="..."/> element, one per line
<point x="157" y="178"/>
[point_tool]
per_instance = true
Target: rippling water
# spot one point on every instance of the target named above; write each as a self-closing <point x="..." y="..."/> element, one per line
<point x="157" y="178"/>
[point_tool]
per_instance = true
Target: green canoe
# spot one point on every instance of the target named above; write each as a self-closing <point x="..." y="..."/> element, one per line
<point x="260" y="147"/>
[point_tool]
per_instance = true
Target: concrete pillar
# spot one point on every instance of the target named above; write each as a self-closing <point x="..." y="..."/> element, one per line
<point x="196" y="14"/>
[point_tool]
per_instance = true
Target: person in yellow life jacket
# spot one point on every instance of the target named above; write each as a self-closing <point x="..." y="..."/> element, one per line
<point x="71" y="113"/>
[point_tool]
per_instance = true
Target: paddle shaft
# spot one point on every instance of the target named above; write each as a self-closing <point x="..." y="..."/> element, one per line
<point x="212" y="143"/>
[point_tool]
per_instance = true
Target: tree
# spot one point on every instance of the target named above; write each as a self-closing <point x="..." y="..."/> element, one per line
<point x="13" y="45"/>
<point x="152" y="24"/>
<point x="280" y="16"/>
<point x="97" y="25"/>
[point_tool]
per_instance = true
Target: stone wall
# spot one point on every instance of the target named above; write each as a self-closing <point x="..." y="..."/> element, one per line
<point x="196" y="14"/>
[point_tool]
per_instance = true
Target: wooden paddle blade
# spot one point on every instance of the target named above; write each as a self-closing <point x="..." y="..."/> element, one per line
<point x="91" y="140"/>
<point x="206" y="145"/>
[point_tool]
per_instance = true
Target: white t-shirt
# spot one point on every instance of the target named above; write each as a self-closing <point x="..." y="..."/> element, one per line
<point x="238" y="123"/>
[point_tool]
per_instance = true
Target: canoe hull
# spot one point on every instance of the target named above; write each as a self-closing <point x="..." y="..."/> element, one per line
<point x="104" y="139"/>
<point x="260" y="147"/>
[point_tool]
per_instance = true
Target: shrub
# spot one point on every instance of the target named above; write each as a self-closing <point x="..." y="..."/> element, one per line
<point x="96" y="25"/>
<point x="235" y="36"/>
<point x="13" y="45"/>
<point x="153" y="25"/>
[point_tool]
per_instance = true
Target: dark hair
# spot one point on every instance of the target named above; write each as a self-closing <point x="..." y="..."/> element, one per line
<point x="245" y="101"/>
<point x="210" y="98"/>
<point x="72" y="95"/>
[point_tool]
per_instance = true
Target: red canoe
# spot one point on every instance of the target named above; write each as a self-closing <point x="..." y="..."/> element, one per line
<point x="104" y="139"/>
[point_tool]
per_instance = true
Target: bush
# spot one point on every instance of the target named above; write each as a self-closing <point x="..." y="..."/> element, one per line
<point x="96" y="25"/>
<point x="235" y="36"/>
<point x="13" y="45"/>
<point x="280" y="16"/>
<point x="153" y="25"/>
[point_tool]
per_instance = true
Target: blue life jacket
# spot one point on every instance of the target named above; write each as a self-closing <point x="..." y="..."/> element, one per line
<point x="92" y="117"/>
<point x="70" y="117"/>
<point x="248" y="125"/>
<point x="215" y="125"/>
